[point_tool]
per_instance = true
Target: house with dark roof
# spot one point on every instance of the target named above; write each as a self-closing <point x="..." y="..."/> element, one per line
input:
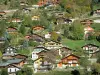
<point x="64" y="51"/>
<point x="10" y="50"/>
<point x="7" y="56"/>
<point x="37" y="38"/>
<point x="2" y="40"/>
<point x="96" y="12"/>
<point x="62" y="20"/>
<point x="91" y="49"/>
<point x="87" y="22"/>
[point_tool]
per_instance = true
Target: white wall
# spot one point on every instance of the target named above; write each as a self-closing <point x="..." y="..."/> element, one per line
<point x="14" y="69"/>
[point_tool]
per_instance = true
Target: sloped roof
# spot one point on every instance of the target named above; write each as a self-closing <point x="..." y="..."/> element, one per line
<point x="14" y="61"/>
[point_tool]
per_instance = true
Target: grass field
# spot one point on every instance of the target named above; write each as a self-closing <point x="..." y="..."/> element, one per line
<point x="73" y="44"/>
<point x="55" y="73"/>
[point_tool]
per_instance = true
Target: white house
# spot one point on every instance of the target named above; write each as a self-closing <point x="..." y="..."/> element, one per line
<point x="53" y="45"/>
<point x="37" y="50"/>
<point x="48" y="36"/>
<point x="35" y="6"/>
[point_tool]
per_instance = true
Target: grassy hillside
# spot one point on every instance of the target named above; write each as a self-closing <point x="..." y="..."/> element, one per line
<point x="73" y="44"/>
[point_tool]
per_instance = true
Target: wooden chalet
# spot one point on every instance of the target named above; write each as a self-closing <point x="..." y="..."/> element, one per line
<point x="11" y="30"/>
<point x="91" y="49"/>
<point x="62" y="20"/>
<point x="37" y="38"/>
<point x="38" y="28"/>
<point x="15" y="20"/>
<point x="53" y="45"/>
<point x="35" y="18"/>
<point x="70" y="60"/>
<point x="87" y="22"/>
<point x="96" y="12"/>
<point x="47" y="2"/>
<point x="2" y="13"/>
<point x="88" y="31"/>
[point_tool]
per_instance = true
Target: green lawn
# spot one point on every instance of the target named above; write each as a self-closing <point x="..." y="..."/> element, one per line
<point x="55" y="73"/>
<point x="96" y="26"/>
<point x="73" y="44"/>
<point x="97" y="6"/>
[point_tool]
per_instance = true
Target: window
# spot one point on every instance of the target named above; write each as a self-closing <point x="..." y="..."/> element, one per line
<point x="15" y="69"/>
<point x="10" y="70"/>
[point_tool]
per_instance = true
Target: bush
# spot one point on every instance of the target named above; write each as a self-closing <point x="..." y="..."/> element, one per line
<point x="4" y="72"/>
<point x="25" y="71"/>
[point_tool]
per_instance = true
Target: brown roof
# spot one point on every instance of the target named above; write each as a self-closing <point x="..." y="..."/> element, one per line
<point x="38" y="28"/>
<point x="70" y="55"/>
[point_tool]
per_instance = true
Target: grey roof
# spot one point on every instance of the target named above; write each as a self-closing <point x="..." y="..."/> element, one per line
<point x="10" y="49"/>
<point x="4" y="64"/>
<point x="14" y="61"/>
<point x="9" y="54"/>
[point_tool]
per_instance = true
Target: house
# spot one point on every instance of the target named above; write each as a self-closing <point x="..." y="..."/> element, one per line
<point x="16" y="62"/>
<point x="37" y="64"/>
<point x="10" y="68"/>
<point x="37" y="38"/>
<point x="2" y="13"/>
<point x="12" y="65"/>
<point x="96" y="12"/>
<point x="35" y="18"/>
<point x="38" y="29"/>
<point x="47" y="2"/>
<point x="10" y="50"/>
<point x="91" y="49"/>
<point x="47" y="36"/>
<point x="52" y="45"/>
<point x="2" y="40"/>
<point x="13" y="56"/>
<point x="62" y="20"/>
<point x="70" y="60"/>
<point x="15" y="20"/>
<point x="11" y="30"/>
<point x="27" y="37"/>
<point x="41" y="64"/>
<point x="88" y="31"/>
<point x="86" y="22"/>
<point x="20" y="56"/>
<point x="26" y="11"/>
<point x="63" y="51"/>
<point x="35" y="6"/>
<point x="23" y="3"/>
<point x="36" y="51"/>
<point x="48" y="55"/>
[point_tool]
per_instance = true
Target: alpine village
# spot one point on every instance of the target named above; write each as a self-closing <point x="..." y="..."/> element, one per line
<point x="49" y="37"/>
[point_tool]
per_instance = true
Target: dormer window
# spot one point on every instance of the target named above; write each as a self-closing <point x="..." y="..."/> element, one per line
<point x="11" y="52"/>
